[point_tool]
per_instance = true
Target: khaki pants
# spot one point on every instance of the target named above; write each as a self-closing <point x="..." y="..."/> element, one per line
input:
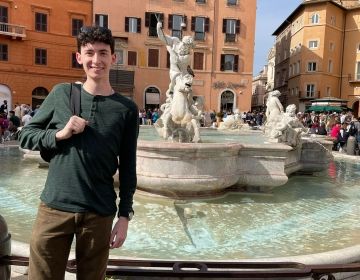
<point x="51" y="240"/>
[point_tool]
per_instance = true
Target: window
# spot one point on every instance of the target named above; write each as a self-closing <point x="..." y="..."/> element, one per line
<point x="310" y="90"/>
<point x="200" y="25"/>
<point x="4" y="14"/>
<point x="74" y="62"/>
<point x="40" y="22"/>
<point x="231" y="27"/>
<point x="175" y="25"/>
<point x="132" y="58"/>
<point x="298" y="67"/>
<point x="198" y="61"/>
<point x="328" y="91"/>
<point x="231" y="2"/>
<point x="333" y="20"/>
<point x="358" y="48"/>
<point x="331" y="46"/>
<point x="313" y="44"/>
<point x="3" y="52"/>
<point x="101" y="20"/>
<point x="311" y="66"/>
<point x="358" y="71"/>
<point x="151" y="20"/>
<point x="330" y="66"/>
<point x="315" y="18"/>
<point x="132" y="25"/>
<point x="201" y="1"/>
<point x="153" y="58"/>
<point x="76" y="25"/>
<point x="119" y="57"/>
<point x="290" y="70"/>
<point x="40" y="56"/>
<point x="229" y="62"/>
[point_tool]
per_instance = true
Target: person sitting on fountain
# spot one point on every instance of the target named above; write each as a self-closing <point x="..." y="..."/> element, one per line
<point x="180" y="58"/>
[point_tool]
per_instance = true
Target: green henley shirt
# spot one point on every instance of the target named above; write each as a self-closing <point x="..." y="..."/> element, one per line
<point x="80" y="176"/>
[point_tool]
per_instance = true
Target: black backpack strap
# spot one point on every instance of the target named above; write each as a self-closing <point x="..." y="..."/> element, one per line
<point x="75" y="99"/>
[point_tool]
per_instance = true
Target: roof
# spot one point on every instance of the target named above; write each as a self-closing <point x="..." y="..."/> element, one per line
<point x="289" y="19"/>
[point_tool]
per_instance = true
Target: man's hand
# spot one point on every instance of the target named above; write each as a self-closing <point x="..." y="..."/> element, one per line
<point x="119" y="233"/>
<point x="75" y="125"/>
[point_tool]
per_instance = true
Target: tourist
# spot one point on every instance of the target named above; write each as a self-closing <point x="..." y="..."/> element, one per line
<point x="14" y="119"/>
<point x="4" y="107"/>
<point x="79" y="197"/>
<point x="26" y="118"/>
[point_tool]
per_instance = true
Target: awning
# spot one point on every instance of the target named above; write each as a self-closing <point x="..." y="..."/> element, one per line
<point x="152" y="98"/>
<point x="319" y="108"/>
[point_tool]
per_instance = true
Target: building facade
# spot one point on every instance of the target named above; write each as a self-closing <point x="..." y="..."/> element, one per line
<point x="38" y="45"/>
<point x="224" y="33"/>
<point x="317" y="53"/>
<point x="259" y="87"/>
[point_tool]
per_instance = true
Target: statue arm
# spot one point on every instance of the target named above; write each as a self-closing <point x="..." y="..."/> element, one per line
<point x="281" y="108"/>
<point x="161" y="35"/>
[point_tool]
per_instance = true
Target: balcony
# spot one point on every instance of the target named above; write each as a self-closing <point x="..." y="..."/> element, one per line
<point x="12" y="30"/>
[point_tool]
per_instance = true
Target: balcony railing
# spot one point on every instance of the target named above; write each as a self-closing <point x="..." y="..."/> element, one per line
<point x="12" y="30"/>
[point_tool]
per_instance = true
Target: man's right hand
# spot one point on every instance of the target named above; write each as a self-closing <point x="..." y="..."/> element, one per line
<point x="75" y="125"/>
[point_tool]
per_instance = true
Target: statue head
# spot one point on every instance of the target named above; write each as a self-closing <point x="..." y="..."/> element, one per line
<point x="275" y="93"/>
<point x="291" y="109"/>
<point x="188" y="40"/>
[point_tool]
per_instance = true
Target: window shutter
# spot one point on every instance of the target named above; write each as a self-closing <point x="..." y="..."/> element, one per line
<point x="238" y="26"/>
<point x="207" y="24"/>
<point x="106" y="21"/>
<point x="126" y="24"/>
<point x="97" y="19"/>
<point x="224" y="26"/>
<point x="193" y="20"/>
<point x="185" y="21"/>
<point x="139" y="25"/>
<point x="222" y="63"/>
<point x="236" y="63"/>
<point x="167" y="60"/>
<point x="147" y="19"/>
<point x="170" y="21"/>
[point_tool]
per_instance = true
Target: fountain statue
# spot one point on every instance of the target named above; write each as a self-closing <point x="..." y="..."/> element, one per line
<point x="232" y="122"/>
<point x="180" y="121"/>
<point x="282" y="127"/>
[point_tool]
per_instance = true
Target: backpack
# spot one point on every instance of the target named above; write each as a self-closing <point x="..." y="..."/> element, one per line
<point x="75" y="106"/>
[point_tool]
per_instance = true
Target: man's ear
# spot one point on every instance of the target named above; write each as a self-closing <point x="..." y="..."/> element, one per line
<point x="78" y="58"/>
<point x="114" y="58"/>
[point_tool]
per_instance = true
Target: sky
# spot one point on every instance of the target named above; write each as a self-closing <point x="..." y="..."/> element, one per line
<point x="270" y="15"/>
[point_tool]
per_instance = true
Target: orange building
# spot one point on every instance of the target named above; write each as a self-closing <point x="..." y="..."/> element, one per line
<point x="318" y="53"/>
<point x="224" y="32"/>
<point x="37" y="46"/>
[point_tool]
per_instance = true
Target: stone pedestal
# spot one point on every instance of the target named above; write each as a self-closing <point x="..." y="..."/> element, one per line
<point x="5" y="248"/>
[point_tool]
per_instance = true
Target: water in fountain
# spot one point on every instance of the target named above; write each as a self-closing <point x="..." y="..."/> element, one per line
<point x="310" y="214"/>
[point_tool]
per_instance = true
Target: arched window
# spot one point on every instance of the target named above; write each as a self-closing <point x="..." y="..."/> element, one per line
<point x="38" y="96"/>
<point x="315" y="18"/>
<point x="227" y="101"/>
<point x="152" y="98"/>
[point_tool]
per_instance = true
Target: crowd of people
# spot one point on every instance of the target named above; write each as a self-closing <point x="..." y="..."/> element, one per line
<point x="12" y="120"/>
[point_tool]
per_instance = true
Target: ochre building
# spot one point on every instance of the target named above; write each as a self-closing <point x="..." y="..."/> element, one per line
<point x="38" y="45"/>
<point x="318" y="53"/>
<point x="224" y="32"/>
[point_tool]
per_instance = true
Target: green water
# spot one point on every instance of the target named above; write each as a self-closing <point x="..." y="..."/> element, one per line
<point x="310" y="214"/>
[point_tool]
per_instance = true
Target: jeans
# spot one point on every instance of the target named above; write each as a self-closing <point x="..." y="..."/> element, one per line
<point x="51" y="240"/>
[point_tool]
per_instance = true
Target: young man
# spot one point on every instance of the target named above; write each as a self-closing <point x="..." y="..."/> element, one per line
<point x="79" y="197"/>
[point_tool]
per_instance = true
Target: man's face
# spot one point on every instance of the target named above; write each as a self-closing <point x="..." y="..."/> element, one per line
<point x="96" y="60"/>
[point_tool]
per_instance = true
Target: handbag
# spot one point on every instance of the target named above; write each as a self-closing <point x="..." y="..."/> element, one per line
<point x="75" y="106"/>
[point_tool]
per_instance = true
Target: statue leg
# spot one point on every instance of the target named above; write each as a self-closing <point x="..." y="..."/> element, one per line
<point x="195" y="126"/>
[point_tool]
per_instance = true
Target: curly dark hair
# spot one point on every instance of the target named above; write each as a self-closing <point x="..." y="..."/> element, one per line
<point x="92" y="34"/>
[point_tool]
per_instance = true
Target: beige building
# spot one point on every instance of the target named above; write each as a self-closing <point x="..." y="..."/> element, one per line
<point x="259" y="86"/>
<point x="224" y="33"/>
<point x="318" y="53"/>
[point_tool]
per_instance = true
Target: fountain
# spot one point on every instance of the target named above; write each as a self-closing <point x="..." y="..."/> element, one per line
<point x="194" y="178"/>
